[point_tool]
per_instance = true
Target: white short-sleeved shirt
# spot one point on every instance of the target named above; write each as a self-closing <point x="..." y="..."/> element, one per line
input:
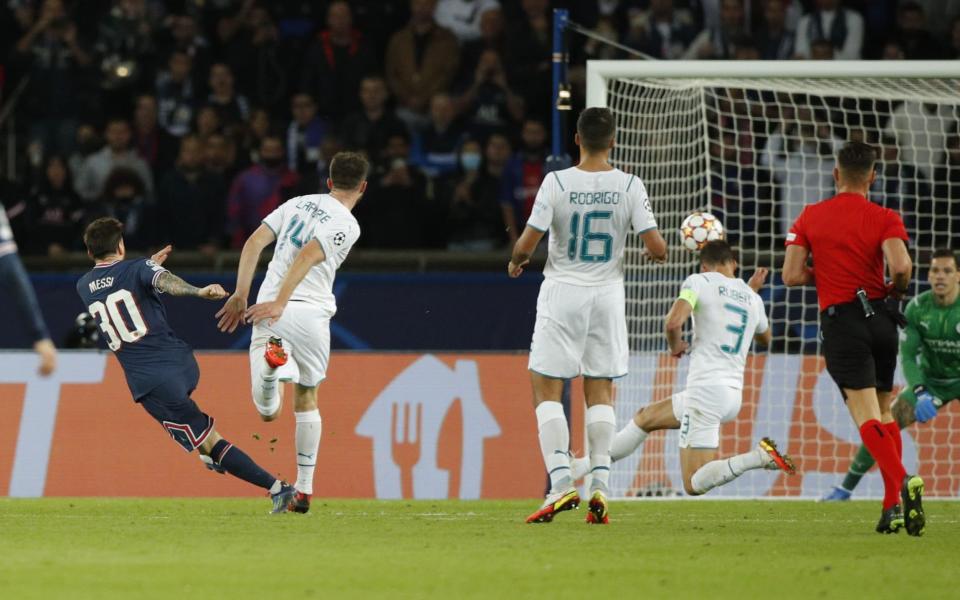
<point x="726" y="316"/>
<point x="588" y="215"/>
<point x="295" y="223"/>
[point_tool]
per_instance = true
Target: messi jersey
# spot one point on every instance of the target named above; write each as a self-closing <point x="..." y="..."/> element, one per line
<point x="123" y="298"/>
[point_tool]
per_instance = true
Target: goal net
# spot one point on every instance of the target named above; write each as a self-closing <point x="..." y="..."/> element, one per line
<point x="753" y="143"/>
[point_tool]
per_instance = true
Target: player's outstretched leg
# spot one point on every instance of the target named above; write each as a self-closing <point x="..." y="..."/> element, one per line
<point x="719" y="472"/>
<point x="554" y="444"/>
<point x="309" y="428"/>
<point x="236" y="462"/>
<point x="267" y="394"/>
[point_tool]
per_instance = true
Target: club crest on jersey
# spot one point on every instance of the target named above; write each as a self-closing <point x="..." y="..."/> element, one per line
<point x="339" y="238"/>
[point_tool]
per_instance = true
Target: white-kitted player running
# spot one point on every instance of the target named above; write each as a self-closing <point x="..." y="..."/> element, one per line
<point x="314" y="234"/>
<point x="727" y="314"/>
<point x="581" y="326"/>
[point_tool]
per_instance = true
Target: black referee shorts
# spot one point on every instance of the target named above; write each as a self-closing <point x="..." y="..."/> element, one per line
<point x="861" y="352"/>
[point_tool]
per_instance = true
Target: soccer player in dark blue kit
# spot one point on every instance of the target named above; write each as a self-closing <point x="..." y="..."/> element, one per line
<point x="14" y="278"/>
<point x="124" y="297"/>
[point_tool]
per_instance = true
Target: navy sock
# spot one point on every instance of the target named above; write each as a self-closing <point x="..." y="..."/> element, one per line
<point x="236" y="462"/>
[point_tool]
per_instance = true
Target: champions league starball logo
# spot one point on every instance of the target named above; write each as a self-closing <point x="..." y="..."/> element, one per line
<point x="340" y="238"/>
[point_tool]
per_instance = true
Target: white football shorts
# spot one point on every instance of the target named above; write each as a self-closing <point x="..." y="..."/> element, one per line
<point x="580" y="330"/>
<point x="701" y="410"/>
<point x="305" y="331"/>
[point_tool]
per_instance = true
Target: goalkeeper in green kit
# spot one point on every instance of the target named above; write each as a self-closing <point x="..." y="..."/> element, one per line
<point x="930" y="355"/>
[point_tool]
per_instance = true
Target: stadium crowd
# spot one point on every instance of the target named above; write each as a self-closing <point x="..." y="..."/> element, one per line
<point x="191" y="120"/>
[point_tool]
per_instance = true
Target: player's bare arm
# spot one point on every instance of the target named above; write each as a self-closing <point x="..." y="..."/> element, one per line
<point x="759" y="278"/>
<point x="311" y="255"/>
<point x="654" y="246"/>
<point x="523" y="250"/>
<point x="898" y="264"/>
<point x="673" y="326"/>
<point x="231" y="314"/>
<point x="169" y="283"/>
<point x="795" y="270"/>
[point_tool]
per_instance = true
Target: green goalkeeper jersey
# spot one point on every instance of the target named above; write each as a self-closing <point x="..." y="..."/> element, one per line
<point x="930" y="344"/>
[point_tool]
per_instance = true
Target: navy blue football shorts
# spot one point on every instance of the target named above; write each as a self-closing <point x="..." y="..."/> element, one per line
<point x="170" y="404"/>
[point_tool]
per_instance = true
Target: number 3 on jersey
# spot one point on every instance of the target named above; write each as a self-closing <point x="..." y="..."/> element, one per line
<point x="113" y="324"/>
<point x="737" y="329"/>
<point x="582" y="238"/>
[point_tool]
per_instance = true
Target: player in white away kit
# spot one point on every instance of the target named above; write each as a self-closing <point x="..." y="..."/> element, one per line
<point x="314" y="234"/>
<point x="727" y="313"/>
<point x="581" y="326"/>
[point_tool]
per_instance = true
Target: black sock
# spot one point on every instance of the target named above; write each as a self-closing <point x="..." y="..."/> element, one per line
<point x="236" y="462"/>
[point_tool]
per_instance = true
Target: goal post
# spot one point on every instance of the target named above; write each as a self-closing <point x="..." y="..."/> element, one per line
<point x="753" y="142"/>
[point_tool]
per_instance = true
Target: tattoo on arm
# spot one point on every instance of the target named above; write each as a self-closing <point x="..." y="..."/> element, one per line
<point x="173" y="285"/>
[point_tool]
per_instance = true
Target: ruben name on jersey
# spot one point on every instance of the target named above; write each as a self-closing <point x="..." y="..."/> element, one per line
<point x="294" y="223"/>
<point x="726" y="316"/>
<point x="588" y="215"/>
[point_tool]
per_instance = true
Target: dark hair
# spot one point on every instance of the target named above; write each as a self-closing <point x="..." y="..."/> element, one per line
<point x="856" y="159"/>
<point x="596" y="127"/>
<point x="716" y="253"/>
<point x="102" y="237"/>
<point x="348" y="170"/>
<point x="945" y="253"/>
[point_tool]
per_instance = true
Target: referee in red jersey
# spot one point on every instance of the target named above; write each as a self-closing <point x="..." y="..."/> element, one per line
<point x="850" y="238"/>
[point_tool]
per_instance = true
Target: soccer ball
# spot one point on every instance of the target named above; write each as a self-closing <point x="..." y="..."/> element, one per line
<point x="698" y="229"/>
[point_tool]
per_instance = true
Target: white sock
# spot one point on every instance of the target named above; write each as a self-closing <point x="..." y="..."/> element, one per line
<point x="627" y="441"/>
<point x="554" y="443"/>
<point x="579" y="467"/>
<point x="719" y="472"/>
<point x="601" y="426"/>
<point x="309" y="427"/>
<point x="266" y="395"/>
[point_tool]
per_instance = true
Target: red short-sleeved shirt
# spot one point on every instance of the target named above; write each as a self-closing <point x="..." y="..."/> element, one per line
<point x="845" y="234"/>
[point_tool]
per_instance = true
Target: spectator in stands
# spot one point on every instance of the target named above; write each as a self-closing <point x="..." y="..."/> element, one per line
<point x="304" y="135"/>
<point x="463" y="17"/>
<point x="842" y="27"/>
<point x="390" y="215"/>
<point x="530" y="47"/>
<point x="774" y="40"/>
<point x="98" y="167"/>
<point x="253" y="55"/>
<point x="232" y="107"/>
<point x="662" y="31"/>
<point x="369" y="128"/>
<point x="154" y="145"/>
<point x="489" y="105"/>
<point x="745" y="48"/>
<point x="258" y="190"/>
<point x="940" y="15"/>
<point x="125" y="198"/>
<point x="88" y="143"/>
<point x="336" y="62"/>
<point x="523" y="173"/>
<point x="435" y="148"/>
<point x="953" y="51"/>
<point x="594" y="49"/>
<point x="891" y="51"/>
<point x="921" y="131"/>
<point x="733" y="189"/>
<point x="799" y="155"/>
<point x="126" y="51"/>
<point x="176" y="94"/>
<point x="191" y="201"/>
<point x="945" y="214"/>
<point x="220" y="156"/>
<point x="186" y="37"/>
<point x="821" y="50"/>
<point x="421" y="60"/>
<point x="53" y="58"/>
<point x="491" y="38"/>
<point x="54" y="212"/>
<point x="718" y="42"/>
<point x="477" y="220"/>
<point x="208" y="122"/>
<point x="917" y="41"/>
<point x="258" y="128"/>
<point x="902" y="189"/>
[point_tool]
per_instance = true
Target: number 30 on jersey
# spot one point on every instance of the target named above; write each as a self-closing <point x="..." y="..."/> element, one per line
<point x="118" y="329"/>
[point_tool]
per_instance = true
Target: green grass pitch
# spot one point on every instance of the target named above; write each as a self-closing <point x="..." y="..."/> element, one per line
<point x="159" y="548"/>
